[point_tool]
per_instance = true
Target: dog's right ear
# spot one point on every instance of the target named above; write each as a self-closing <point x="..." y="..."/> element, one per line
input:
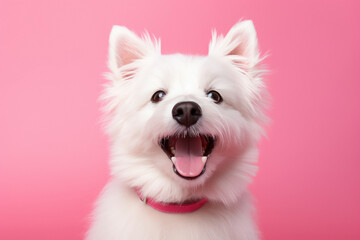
<point x="125" y="48"/>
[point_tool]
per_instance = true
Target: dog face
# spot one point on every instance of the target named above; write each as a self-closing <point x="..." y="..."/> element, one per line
<point x="184" y="126"/>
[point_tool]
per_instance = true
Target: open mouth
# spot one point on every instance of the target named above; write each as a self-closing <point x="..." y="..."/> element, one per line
<point x="188" y="154"/>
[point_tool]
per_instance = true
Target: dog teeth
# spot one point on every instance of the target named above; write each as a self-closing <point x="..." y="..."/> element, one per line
<point x="203" y="159"/>
<point x="173" y="150"/>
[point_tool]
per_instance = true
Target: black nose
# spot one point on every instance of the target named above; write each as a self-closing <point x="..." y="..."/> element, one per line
<point x="186" y="113"/>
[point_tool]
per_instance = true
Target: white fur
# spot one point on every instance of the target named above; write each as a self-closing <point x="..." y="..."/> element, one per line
<point x="135" y="125"/>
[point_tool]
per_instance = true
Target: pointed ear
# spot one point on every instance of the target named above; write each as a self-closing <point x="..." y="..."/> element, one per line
<point x="125" y="47"/>
<point x="240" y="43"/>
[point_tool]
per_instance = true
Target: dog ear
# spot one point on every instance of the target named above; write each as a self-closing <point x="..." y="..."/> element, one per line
<point x="240" y="43"/>
<point x="125" y="47"/>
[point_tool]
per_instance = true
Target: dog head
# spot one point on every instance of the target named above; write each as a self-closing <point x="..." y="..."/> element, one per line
<point x="184" y="127"/>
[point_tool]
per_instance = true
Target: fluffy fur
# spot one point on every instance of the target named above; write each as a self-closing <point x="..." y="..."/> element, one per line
<point x="136" y="125"/>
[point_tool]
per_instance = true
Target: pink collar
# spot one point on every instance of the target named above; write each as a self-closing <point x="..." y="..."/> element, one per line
<point x="172" y="207"/>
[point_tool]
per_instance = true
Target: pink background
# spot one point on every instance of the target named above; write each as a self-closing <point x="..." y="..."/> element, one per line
<point x="53" y="155"/>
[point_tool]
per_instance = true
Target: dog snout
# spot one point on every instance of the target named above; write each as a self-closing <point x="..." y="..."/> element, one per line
<point x="186" y="113"/>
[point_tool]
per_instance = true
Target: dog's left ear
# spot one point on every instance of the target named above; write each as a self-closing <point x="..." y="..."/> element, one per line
<point x="240" y="44"/>
<point x="125" y="48"/>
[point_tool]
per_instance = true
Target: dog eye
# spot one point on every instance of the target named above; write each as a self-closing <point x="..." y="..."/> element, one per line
<point x="214" y="95"/>
<point x="158" y="96"/>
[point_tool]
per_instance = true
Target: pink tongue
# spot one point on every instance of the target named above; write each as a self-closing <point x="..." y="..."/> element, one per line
<point x="189" y="156"/>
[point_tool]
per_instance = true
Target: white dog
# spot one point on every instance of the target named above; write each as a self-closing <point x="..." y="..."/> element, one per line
<point x="183" y="135"/>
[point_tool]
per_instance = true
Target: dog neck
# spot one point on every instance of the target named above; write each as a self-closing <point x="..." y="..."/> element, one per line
<point x="172" y="207"/>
